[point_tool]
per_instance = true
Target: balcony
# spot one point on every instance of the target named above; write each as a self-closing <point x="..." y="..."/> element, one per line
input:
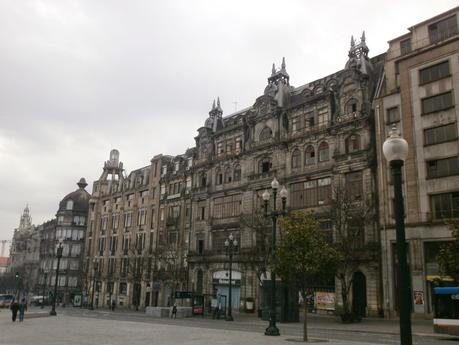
<point x="348" y="117"/>
<point x="263" y="175"/>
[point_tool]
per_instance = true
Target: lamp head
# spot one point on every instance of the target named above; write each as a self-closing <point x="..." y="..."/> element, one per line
<point x="235" y="243"/>
<point x="266" y="195"/>
<point x="283" y="193"/>
<point x="274" y="184"/>
<point x="226" y="243"/>
<point x="395" y="147"/>
<point x="231" y="237"/>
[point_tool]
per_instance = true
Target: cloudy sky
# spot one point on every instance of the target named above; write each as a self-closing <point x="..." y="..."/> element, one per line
<point x="78" y="78"/>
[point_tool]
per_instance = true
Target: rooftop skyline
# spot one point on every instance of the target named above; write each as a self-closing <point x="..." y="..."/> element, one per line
<point x="81" y="78"/>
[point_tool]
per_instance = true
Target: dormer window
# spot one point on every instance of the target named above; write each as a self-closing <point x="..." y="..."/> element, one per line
<point x="177" y="166"/>
<point x="69" y="205"/>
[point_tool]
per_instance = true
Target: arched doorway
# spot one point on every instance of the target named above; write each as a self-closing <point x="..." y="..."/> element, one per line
<point x="359" y="294"/>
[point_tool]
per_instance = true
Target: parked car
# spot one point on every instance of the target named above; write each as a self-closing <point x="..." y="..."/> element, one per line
<point x="6" y="300"/>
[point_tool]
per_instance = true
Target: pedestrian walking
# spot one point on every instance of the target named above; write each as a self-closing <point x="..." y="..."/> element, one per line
<point x="22" y="309"/>
<point x="113" y="305"/>
<point x="14" y="310"/>
<point x="174" y="311"/>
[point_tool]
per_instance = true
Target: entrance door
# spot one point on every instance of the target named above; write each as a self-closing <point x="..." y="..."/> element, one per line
<point x="359" y="294"/>
<point x="223" y="290"/>
<point x="147" y="299"/>
<point x="136" y="294"/>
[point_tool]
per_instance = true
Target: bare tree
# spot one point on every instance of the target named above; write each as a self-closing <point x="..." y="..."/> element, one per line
<point x="256" y="258"/>
<point x="350" y="216"/>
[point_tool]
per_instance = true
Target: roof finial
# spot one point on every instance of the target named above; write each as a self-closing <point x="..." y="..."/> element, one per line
<point x="352" y="41"/>
<point x="213" y="105"/>
<point x="363" y="36"/>
<point x="283" y="63"/>
<point x="82" y="183"/>
<point x="218" y="104"/>
<point x="274" y="69"/>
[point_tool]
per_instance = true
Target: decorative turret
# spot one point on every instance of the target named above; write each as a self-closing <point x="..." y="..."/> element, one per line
<point x="113" y="168"/>
<point x="278" y="84"/>
<point x="358" y="56"/>
<point x="280" y="75"/>
<point x="26" y="220"/>
<point x="215" y="119"/>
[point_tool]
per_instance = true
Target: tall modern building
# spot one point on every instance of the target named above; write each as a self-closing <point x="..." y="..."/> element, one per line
<point x="418" y="94"/>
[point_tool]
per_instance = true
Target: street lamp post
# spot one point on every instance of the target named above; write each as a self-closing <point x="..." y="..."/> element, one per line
<point x="272" y="328"/>
<point x="395" y="150"/>
<point x="231" y="245"/>
<point x="44" y="290"/>
<point x="94" y="262"/>
<point x="59" y="250"/>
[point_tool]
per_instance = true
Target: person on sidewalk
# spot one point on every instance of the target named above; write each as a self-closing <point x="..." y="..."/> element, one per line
<point x="113" y="305"/>
<point x="22" y="309"/>
<point x="14" y="310"/>
<point x="174" y="311"/>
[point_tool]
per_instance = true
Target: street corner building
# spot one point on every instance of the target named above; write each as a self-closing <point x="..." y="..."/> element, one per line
<point x="162" y="228"/>
<point x="418" y="95"/>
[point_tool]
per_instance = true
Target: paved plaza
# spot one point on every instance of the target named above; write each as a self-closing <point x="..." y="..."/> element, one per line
<point x="65" y="329"/>
<point x="102" y="327"/>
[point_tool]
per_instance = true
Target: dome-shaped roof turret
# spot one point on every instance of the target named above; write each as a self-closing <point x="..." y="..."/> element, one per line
<point x="77" y="201"/>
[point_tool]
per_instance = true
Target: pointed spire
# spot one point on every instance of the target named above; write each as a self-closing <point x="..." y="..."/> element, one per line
<point x="218" y="104"/>
<point x="273" y="71"/>
<point x="352" y="41"/>
<point x="362" y="39"/>
<point x="213" y="105"/>
<point x="283" y="64"/>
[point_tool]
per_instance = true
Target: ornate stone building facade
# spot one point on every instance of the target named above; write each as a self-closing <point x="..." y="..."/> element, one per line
<point x="163" y="227"/>
<point x="312" y="138"/>
<point x="418" y="94"/>
<point x="24" y="253"/>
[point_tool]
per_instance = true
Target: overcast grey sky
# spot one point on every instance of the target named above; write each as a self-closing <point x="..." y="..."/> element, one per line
<point x="78" y="78"/>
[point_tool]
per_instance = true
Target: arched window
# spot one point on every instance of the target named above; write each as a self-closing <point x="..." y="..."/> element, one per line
<point x="69" y="205"/>
<point x="296" y="159"/>
<point x="219" y="177"/>
<point x="351" y="106"/>
<point x="228" y="175"/>
<point x="237" y="173"/>
<point x="353" y="143"/>
<point x="264" y="165"/>
<point x="323" y="152"/>
<point x="309" y="155"/>
<point x="266" y="134"/>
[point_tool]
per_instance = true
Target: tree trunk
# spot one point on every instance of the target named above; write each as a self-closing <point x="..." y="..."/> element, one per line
<point x="305" y="321"/>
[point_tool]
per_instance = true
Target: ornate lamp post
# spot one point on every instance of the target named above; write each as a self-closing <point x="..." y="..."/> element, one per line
<point x="44" y="289"/>
<point x="94" y="266"/>
<point x="395" y="150"/>
<point x="231" y="246"/>
<point x="272" y="328"/>
<point x="59" y="250"/>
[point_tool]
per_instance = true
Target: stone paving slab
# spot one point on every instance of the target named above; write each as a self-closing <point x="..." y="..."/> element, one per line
<point x="66" y="330"/>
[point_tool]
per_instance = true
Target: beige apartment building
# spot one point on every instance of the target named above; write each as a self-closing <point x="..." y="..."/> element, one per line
<point x="418" y="94"/>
